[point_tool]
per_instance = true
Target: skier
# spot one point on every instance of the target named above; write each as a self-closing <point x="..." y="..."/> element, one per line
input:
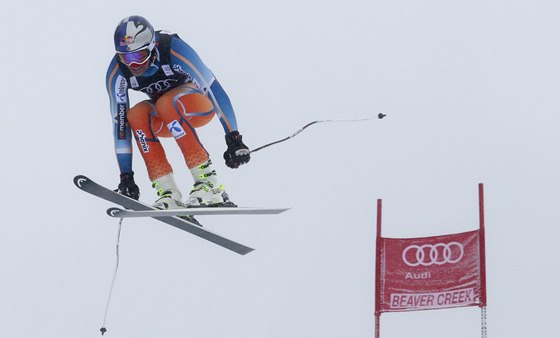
<point x="183" y="95"/>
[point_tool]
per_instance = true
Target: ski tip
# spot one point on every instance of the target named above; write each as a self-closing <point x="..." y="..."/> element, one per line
<point x="79" y="180"/>
<point x="113" y="212"/>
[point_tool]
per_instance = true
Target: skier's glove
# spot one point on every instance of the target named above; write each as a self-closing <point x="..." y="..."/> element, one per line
<point x="127" y="186"/>
<point x="237" y="152"/>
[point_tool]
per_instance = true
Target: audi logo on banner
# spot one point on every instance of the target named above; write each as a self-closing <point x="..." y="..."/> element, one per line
<point x="430" y="254"/>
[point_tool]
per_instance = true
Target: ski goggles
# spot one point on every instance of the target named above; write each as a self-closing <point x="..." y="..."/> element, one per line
<point x="138" y="57"/>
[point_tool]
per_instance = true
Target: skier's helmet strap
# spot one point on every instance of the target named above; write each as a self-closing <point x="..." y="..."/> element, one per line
<point x="134" y="33"/>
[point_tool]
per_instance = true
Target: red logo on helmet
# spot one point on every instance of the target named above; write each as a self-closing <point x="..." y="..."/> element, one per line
<point x="127" y="40"/>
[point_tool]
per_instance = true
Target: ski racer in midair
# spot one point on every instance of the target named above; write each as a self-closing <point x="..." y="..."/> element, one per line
<point x="183" y="95"/>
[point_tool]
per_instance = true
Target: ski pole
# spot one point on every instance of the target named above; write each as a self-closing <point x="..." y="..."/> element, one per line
<point x="103" y="328"/>
<point x="379" y="116"/>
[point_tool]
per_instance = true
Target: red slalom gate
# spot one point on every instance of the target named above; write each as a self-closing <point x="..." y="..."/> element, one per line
<point x="427" y="273"/>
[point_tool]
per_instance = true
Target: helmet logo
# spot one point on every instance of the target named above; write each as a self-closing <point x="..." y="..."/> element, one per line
<point x="127" y="40"/>
<point x="136" y="37"/>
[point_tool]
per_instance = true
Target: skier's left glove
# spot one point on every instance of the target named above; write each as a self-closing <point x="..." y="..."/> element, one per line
<point x="237" y="152"/>
<point x="128" y="187"/>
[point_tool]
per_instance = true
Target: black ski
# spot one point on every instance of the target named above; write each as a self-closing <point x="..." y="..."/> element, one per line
<point x="89" y="186"/>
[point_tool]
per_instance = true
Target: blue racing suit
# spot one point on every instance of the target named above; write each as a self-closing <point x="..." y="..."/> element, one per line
<point x="175" y="63"/>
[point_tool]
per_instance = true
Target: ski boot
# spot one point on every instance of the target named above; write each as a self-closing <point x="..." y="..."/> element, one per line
<point x="170" y="196"/>
<point x="206" y="191"/>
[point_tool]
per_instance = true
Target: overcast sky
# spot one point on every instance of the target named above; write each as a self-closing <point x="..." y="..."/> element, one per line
<point x="470" y="89"/>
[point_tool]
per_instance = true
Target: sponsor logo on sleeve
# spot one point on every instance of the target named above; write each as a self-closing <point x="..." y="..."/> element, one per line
<point x="121" y="121"/>
<point x="120" y="89"/>
<point x="176" y="129"/>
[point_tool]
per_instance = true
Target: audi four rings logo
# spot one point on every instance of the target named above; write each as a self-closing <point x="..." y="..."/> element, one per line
<point x="158" y="86"/>
<point x="430" y="254"/>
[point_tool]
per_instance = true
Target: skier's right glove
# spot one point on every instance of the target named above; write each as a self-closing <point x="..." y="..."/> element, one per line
<point x="127" y="186"/>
